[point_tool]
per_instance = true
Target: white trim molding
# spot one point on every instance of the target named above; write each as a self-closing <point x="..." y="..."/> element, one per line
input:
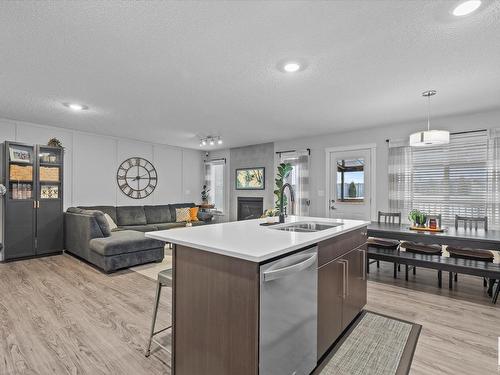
<point x="373" y="174"/>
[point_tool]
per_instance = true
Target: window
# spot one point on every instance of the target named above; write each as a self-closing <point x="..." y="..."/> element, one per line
<point x="214" y="179"/>
<point x="456" y="179"/>
<point x="350" y="180"/>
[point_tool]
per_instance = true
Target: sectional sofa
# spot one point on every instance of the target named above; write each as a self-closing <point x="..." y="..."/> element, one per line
<point x="89" y="235"/>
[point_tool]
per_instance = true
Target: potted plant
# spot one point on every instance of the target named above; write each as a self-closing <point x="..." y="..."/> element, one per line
<point x="418" y="218"/>
<point x="270" y="214"/>
<point x="284" y="170"/>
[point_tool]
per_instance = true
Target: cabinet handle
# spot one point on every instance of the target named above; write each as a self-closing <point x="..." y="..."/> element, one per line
<point x="34" y="204"/>
<point x="37" y="204"/>
<point x="344" y="278"/>
<point x="363" y="264"/>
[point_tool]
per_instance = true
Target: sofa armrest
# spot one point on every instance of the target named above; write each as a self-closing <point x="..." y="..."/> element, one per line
<point x="79" y="229"/>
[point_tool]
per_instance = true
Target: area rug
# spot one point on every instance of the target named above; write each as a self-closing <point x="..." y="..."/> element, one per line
<point x="374" y="345"/>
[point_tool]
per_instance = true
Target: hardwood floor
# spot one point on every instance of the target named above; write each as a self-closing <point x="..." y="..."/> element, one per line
<point x="460" y="327"/>
<point x="58" y="315"/>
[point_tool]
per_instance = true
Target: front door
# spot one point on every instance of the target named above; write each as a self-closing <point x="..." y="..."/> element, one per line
<point x="350" y="184"/>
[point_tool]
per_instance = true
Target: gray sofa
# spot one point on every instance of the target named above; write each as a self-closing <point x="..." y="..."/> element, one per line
<point x="88" y="234"/>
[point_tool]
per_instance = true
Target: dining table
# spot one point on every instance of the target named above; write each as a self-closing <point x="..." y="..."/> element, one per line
<point x="470" y="238"/>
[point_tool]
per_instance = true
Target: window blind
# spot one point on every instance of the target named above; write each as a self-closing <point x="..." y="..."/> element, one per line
<point x="450" y="180"/>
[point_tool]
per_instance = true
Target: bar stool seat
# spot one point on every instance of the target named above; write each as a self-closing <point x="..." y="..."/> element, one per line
<point x="164" y="280"/>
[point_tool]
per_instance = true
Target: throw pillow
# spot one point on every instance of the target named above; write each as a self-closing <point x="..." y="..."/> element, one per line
<point x="193" y="213"/>
<point x="182" y="214"/>
<point x="111" y="223"/>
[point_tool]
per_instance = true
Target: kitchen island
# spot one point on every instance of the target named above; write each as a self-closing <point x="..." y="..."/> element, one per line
<point x="253" y="299"/>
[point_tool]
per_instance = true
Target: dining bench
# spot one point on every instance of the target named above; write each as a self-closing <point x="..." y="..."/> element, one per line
<point x="441" y="263"/>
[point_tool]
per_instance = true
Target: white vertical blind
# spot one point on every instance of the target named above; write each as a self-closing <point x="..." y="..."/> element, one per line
<point x="299" y="179"/>
<point x="456" y="179"/>
<point x="214" y="179"/>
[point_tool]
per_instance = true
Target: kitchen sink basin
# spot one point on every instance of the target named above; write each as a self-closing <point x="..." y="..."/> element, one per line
<point x="306" y="226"/>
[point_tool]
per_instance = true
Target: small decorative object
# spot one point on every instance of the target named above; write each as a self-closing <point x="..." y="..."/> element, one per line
<point x="250" y="178"/>
<point x="418" y="218"/>
<point x="49" y="192"/>
<point x="284" y="170"/>
<point x="204" y="194"/>
<point x="19" y="155"/>
<point x="270" y="214"/>
<point x="3" y="190"/>
<point x="136" y="178"/>
<point x="54" y="142"/>
<point x="189" y="224"/>
<point x="432" y="223"/>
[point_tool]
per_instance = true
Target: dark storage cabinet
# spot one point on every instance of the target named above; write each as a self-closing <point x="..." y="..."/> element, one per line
<point x="341" y="285"/>
<point x="33" y="209"/>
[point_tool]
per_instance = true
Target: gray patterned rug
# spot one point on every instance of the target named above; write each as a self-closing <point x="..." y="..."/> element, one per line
<point x="374" y="345"/>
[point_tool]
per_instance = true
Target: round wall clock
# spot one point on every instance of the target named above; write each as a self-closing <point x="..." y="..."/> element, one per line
<point x="136" y="178"/>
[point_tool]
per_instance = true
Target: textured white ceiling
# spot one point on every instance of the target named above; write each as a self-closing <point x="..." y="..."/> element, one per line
<point x="172" y="71"/>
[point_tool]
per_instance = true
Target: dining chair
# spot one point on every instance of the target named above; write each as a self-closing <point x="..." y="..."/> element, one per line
<point x="471" y="223"/>
<point x="420" y="248"/>
<point x="383" y="243"/>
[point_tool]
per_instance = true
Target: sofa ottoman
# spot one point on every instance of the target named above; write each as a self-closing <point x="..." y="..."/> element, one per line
<point x="124" y="249"/>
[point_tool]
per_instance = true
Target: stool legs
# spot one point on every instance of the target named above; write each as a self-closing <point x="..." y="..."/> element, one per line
<point x="450" y="282"/>
<point x="497" y="291"/>
<point x="155" y="313"/>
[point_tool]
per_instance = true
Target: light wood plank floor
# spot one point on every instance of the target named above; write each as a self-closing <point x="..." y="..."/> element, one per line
<point x="58" y="315"/>
<point x="460" y="327"/>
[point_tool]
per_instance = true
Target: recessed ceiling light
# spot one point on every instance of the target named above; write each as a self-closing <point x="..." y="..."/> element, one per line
<point x="291" y="67"/>
<point x="76" y="106"/>
<point x="466" y="7"/>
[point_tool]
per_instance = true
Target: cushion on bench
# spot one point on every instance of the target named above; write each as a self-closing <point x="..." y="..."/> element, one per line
<point x="382" y="242"/>
<point x="420" y="248"/>
<point x="468" y="253"/>
<point x="121" y="242"/>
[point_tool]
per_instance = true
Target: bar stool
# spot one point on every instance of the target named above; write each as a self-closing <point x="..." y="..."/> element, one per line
<point x="164" y="280"/>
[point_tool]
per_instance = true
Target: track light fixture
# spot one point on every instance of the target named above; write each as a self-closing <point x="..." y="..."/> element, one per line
<point x="210" y="140"/>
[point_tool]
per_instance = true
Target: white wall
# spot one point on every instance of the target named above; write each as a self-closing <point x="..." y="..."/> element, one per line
<point x="91" y="162"/>
<point x="318" y="144"/>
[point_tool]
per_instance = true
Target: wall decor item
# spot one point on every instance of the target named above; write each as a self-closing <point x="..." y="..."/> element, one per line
<point x="136" y="178"/>
<point x="250" y="178"/>
<point x="19" y="155"/>
<point x="54" y="142"/>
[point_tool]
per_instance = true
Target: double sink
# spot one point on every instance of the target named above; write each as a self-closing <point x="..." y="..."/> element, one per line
<point x="306" y="226"/>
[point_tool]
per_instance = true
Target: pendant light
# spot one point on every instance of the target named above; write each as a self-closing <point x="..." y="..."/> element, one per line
<point x="429" y="137"/>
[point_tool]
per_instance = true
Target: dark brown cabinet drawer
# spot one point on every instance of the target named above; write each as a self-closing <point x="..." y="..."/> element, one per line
<point x="337" y="246"/>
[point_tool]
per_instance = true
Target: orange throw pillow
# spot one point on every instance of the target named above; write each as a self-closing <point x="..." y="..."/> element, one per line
<point x="193" y="213"/>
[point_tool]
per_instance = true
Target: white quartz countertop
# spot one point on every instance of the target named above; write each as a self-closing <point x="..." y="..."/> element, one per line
<point x="250" y="241"/>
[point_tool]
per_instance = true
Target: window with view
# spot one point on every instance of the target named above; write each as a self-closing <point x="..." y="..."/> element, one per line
<point x="456" y="179"/>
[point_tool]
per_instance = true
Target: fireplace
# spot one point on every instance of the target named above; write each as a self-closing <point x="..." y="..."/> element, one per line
<point x="250" y="208"/>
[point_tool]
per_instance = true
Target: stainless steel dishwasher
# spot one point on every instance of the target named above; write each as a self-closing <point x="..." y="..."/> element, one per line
<point x="288" y="314"/>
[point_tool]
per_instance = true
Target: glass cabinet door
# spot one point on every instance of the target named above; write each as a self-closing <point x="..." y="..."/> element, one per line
<point x="49" y="172"/>
<point x="20" y="167"/>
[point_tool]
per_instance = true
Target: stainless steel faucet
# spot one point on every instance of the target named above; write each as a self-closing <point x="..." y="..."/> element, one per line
<point x="292" y="201"/>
